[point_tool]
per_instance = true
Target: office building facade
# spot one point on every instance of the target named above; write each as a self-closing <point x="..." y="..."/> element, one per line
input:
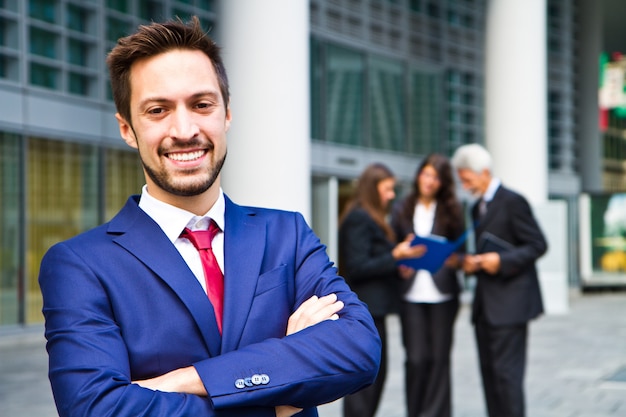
<point x="374" y="80"/>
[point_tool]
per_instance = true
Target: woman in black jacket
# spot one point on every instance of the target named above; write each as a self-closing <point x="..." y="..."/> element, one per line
<point x="430" y="302"/>
<point x="367" y="259"/>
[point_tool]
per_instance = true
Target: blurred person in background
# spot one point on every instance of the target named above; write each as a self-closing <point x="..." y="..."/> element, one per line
<point x="367" y="259"/>
<point x="507" y="295"/>
<point x="430" y="301"/>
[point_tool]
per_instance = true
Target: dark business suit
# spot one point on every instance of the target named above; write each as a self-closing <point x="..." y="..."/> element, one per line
<point x="371" y="271"/>
<point x="427" y="332"/>
<point x="504" y="303"/>
<point x="121" y="304"/>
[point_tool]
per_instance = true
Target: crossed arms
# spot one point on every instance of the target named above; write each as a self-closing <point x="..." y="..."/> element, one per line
<point x="186" y="380"/>
<point x="111" y="321"/>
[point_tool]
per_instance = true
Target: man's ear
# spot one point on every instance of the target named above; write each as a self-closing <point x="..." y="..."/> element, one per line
<point x="126" y="131"/>
<point x="229" y="116"/>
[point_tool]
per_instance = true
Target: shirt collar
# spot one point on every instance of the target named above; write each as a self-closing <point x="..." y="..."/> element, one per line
<point x="491" y="189"/>
<point x="173" y="220"/>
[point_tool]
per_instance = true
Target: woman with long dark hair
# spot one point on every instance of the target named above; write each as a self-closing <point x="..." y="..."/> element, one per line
<point x="367" y="259"/>
<point x="430" y="302"/>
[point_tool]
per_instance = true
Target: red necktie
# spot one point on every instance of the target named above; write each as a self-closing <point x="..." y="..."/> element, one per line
<point x="213" y="276"/>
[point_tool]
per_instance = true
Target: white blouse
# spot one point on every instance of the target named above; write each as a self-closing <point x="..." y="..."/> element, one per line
<point x="424" y="289"/>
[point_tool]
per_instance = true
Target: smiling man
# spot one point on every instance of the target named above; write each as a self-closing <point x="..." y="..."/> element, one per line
<point x="143" y="318"/>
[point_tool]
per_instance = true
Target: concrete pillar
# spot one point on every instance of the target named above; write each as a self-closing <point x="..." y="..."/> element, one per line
<point x="516" y="131"/>
<point x="516" y="127"/>
<point x="266" y="53"/>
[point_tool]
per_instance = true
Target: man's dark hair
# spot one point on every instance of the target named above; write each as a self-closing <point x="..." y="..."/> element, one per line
<point x="154" y="39"/>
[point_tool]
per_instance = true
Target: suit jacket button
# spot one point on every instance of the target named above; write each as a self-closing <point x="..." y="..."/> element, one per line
<point x="240" y="383"/>
<point x="248" y="382"/>
<point x="265" y="379"/>
<point x="256" y="379"/>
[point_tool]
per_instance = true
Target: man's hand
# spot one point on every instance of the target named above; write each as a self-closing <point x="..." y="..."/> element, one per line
<point x="471" y="263"/>
<point x="490" y="262"/>
<point x="314" y="310"/>
<point x="286" y="411"/>
<point x="185" y="380"/>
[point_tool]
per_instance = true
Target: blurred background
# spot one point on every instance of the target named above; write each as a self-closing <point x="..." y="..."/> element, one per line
<point x="319" y="89"/>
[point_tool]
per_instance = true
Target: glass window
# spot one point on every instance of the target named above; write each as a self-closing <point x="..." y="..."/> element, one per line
<point x="78" y="19"/>
<point x="119" y="5"/>
<point x="42" y="10"/>
<point x="78" y="84"/>
<point x="317" y="72"/>
<point x="345" y="74"/>
<point x="453" y="18"/>
<point x="184" y="14"/>
<point x="77" y="52"/>
<point x="433" y="10"/>
<point x="43" y="43"/>
<point x="11" y="240"/>
<point x="9" y="68"/>
<point x="124" y="177"/>
<point x="44" y="75"/>
<point x="62" y="187"/>
<point x="454" y="77"/>
<point x="62" y="194"/>
<point x="8" y="33"/>
<point x="425" y="121"/>
<point x="151" y="10"/>
<point x="387" y="109"/>
<point x="208" y="5"/>
<point x="117" y="28"/>
<point x="468" y="21"/>
<point x="469" y="79"/>
<point x="9" y="5"/>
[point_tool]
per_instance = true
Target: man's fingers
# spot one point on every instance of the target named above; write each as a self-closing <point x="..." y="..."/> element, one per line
<point x="313" y="311"/>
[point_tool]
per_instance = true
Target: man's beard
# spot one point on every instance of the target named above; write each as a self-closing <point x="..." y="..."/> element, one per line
<point x="163" y="180"/>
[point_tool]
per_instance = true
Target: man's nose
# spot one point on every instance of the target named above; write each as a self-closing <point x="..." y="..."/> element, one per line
<point x="183" y="125"/>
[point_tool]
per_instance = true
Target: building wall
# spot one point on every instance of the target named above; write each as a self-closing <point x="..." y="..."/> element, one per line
<point x="391" y="80"/>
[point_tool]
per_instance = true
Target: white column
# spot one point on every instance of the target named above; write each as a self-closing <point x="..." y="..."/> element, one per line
<point x="516" y="127"/>
<point x="516" y="95"/>
<point x="266" y="53"/>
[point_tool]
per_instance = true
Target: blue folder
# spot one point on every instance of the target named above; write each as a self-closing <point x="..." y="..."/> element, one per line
<point x="438" y="249"/>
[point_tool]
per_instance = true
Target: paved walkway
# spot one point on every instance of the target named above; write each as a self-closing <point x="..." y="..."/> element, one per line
<point x="577" y="366"/>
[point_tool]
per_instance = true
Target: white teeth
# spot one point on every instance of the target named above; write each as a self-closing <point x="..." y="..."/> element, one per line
<point x="185" y="156"/>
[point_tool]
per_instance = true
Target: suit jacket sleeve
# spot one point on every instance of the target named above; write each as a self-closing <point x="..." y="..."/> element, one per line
<point x="525" y="235"/>
<point x="310" y="367"/>
<point x="112" y="319"/>
<point x="89" y="365"/>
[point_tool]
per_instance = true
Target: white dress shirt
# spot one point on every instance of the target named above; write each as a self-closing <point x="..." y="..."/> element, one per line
<point x="424" y="289"/>
<point x="173" y="221"/>
<point x="491" y="189"/>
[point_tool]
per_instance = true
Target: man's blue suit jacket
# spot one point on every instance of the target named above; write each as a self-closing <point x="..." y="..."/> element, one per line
<point x="120" y="304"/>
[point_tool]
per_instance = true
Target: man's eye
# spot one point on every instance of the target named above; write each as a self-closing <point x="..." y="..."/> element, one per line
<point x="156" y="110"/>
<point x="204" y="105"/>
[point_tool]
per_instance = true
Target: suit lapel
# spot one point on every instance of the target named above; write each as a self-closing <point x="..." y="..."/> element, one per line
<point x="142" y="237"/>
<point x="244" y="246"/>
<point x="491" y="208"/>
